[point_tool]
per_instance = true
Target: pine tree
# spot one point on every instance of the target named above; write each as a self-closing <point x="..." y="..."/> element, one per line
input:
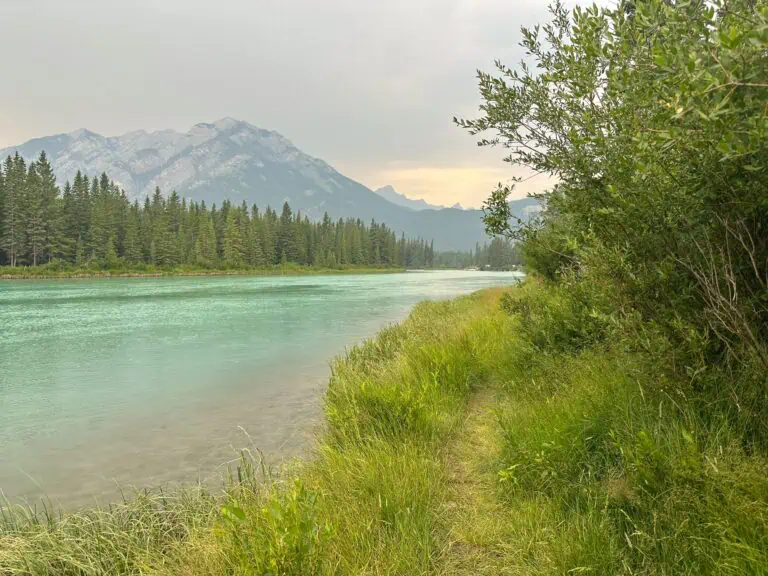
<point x="204" y="250"/>
<point x="209" y="250"/>
<point x="79" y="251"/>
<point x="256" y="240"/>
<point x="299" y="232"/>
<point x="398" y="254"/>
<point x="356" y="248"/>
<point x="175" y="230"/>
<point x="12" y="240"/>
<point x="319" y="260"/>
<point x="99" y="237"/>
<point x="121" y="212"/>
<point x="131" y="244"/>
<point x="233" y="242"/>
<point x="189" y="228"/>
<point x="82" y="194"/>
<point x="219" y="219"/>
<point x="54" y="242"/>
<point x="34" y="217"/>
<point x="69" y="229"/>
<point x="145" y="230"/>
<point x="340" y="252"/>
<point x="161" y="245"/>
<point x="286" y="236"/>
<point x="2" y="210"/>
<point x="110" y="257"/>
<point x="270" y="252"/>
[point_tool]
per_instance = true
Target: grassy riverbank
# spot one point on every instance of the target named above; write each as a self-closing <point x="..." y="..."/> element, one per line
<point x="474" y="438"/>
<point x="368" y="501"/>
<point x="66" y="271"/>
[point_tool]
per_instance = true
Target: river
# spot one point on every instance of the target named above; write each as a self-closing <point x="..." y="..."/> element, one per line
<point x="114" y="384"/>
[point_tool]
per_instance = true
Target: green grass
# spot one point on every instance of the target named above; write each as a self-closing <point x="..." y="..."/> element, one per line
<point x="618" y="466"/>
<point x="68" y="271"/>
<point x="467" y="440"/>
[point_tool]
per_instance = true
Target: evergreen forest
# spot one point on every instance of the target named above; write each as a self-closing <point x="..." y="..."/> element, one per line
<point x="92" y="222"/>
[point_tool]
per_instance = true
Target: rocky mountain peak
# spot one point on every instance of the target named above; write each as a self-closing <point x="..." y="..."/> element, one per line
<point x="233" y="160"/>
<point x="229" y="123"/>
<point x="389" y="193"/>
<point x="84" y="134"/>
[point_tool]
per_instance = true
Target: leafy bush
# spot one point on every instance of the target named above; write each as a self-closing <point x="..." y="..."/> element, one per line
<point x="558" y="321"/>
<point x="651" y="116"/>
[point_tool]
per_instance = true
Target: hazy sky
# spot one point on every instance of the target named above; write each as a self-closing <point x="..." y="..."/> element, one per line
<point x="370" y="86"/>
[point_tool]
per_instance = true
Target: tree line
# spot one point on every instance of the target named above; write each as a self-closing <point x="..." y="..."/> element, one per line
<point x="93" y="221"/>
<point x="500" y="254"/>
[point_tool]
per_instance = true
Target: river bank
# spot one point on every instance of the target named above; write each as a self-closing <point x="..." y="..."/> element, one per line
<point x="457" y="442"/>
<point x="55" y="272"/>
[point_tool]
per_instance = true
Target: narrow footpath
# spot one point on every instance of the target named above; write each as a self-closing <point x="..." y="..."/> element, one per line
<point x="474" y="526"/>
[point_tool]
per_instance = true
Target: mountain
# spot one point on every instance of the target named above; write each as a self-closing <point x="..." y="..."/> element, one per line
<point x="525" y="208"/>
<point x="389" y="193"/>
<point x="235" y="160"/>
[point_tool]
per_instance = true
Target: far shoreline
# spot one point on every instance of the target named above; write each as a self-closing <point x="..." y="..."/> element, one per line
<point x="29" y="273"/>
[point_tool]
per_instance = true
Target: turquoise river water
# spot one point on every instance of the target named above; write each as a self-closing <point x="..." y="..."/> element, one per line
<point x="114" y="384"/>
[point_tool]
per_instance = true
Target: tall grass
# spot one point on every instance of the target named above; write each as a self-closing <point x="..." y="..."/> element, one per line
<point x="617" y="464"/>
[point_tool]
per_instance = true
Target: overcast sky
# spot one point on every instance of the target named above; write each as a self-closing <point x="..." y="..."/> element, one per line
<point x="370" y="86"/>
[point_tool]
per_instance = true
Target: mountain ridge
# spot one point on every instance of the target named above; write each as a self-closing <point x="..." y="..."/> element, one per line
<point x="232" y="159"/>
<point x="388" y="192"/>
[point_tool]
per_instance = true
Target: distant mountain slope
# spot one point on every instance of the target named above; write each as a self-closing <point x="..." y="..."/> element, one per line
<point x="235" y="160"/>
<point x="525" y="208"/>
<point x="389" y="193"/>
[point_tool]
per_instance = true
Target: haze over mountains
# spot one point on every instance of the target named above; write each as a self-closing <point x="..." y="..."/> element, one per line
<point x="389" y="193"/>
<point x="236" y="160"/>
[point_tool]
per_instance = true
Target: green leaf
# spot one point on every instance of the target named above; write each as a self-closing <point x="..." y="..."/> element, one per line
<point x="232" y="512"/>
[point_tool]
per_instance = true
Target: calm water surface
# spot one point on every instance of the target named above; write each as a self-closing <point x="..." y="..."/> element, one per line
<point x="136" y="382"/>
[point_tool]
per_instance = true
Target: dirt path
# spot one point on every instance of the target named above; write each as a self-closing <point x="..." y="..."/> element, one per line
<point x="473" y="518"/>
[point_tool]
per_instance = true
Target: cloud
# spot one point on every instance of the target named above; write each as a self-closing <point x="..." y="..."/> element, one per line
<point x="365" y="85"/>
